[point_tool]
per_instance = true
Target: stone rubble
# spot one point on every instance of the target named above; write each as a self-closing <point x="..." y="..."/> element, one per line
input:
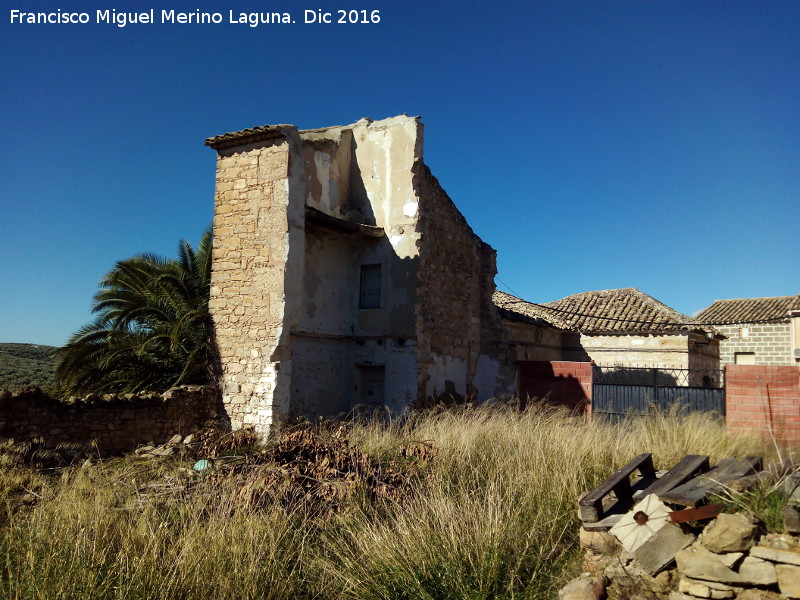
<point x="732" y="559"/>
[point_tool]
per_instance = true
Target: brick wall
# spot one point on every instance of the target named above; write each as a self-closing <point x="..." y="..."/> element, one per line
<point x="770" y="343"/>
<point x="760" y="399"/>
<point x="559" y="382"/>
<point x="116" y="423"/>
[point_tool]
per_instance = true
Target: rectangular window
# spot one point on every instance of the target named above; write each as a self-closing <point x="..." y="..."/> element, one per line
<point x="744" y="333"/>
<point x="370" y="288"/>
<point x="744" y="358"/>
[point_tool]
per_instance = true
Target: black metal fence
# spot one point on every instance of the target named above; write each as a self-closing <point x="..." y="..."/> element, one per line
<point x="621" y="391"/>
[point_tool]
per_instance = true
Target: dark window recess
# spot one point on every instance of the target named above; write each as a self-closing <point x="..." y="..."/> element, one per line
<point x="370" y="381"/>
<point x="370" y="290"/>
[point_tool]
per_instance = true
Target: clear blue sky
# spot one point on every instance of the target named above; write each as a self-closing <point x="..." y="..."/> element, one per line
<point x="594" y="144"/>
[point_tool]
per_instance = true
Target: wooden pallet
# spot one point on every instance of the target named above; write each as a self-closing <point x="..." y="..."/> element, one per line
<point x="686" y="484"/>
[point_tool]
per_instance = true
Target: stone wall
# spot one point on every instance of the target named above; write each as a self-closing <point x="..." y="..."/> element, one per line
<point x="115" y="423"/>
<point x="257" y="264"/>
<point x="459" y="330"/>
<point x="665" y="351"/>
<point x="764" y="400"/>
<point x="764" y="344"/>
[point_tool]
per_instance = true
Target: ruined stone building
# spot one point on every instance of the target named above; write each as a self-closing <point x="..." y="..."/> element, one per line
<point x="343" y="275"/>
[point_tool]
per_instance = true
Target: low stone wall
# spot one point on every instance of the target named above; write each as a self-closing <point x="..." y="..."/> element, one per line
<point x="114" y="423"/>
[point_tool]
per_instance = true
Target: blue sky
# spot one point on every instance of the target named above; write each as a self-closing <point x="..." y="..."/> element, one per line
<point x="595" y="145"/>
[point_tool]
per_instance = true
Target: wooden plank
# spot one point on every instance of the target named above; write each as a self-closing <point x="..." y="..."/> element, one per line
<point x="686" y="515"/>
<point x="590" y="507"/>
<point x="693" y="492"/>
<point x="766" y="477"/>
<point x="689" y="466"/>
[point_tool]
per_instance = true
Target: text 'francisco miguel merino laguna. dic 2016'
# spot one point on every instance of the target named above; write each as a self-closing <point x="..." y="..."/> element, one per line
<point x="252" y="19"/>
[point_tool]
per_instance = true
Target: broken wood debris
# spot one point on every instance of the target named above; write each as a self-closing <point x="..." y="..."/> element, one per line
<point x="687" y="484"/>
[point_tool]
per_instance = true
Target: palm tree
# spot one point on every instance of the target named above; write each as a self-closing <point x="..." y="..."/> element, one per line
<point x="152" y="329"/>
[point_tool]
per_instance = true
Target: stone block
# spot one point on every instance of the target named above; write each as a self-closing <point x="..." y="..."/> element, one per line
<point x="757" y="571"/>
<point x="707" y="589"/>
<point x="731" y="533"/>
<point x="789" y="580"/>
<point x="583" y="588"/>
<point x="598" y="541"/>
<point x="789" y="556"/>
<point x="697" y="562"/>
<point x="753" y="594"/>
<point x="659" y="550"/>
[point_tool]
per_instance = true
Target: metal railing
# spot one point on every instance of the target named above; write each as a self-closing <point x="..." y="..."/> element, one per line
<point x="658" y="377"/>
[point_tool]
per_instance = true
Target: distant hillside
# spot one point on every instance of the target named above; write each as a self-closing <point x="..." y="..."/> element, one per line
<point x="26" y="364"/>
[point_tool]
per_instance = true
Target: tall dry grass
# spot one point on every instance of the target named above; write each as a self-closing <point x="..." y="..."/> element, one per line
<point x="492" y="516"/>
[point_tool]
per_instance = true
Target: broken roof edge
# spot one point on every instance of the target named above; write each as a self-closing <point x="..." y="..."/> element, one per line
<point x="268" y="132"/>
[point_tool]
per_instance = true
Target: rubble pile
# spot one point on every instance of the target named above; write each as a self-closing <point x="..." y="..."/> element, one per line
<point x="657" y="538"/>
<point x="303" y="468"/>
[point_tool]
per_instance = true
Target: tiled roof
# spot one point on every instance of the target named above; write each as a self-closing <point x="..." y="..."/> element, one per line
<point x="741" y="310"/>
<point x="245" y="136"/>
<point x="625" y="311"/>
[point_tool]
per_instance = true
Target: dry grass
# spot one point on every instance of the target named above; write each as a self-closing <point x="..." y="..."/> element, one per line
<point x="492" y="516"/>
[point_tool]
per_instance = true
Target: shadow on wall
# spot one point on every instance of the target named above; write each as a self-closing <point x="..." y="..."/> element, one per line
<point x="557" y="384"/>
<point x="354" y="341"/>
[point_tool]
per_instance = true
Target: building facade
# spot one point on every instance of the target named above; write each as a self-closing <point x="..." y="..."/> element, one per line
<point x="759" y="331"/>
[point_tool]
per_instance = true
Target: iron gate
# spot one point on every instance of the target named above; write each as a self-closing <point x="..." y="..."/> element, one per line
<point x="621" y="391"/>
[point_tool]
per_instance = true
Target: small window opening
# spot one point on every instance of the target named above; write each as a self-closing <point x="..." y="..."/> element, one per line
<point x="370" y="289"/>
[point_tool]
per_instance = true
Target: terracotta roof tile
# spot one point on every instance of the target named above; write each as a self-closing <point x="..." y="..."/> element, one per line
<point x="517" y="309"/>
<point x="625" y="311"/>
<point x="742" y="310"/>
<point x="245" y="136"/>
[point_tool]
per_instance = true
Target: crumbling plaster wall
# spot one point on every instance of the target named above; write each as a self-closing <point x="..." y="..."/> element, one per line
<point x="356" y="173"/>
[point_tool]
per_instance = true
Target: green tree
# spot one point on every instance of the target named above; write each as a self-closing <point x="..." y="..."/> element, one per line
<point x="152" y="330"/>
